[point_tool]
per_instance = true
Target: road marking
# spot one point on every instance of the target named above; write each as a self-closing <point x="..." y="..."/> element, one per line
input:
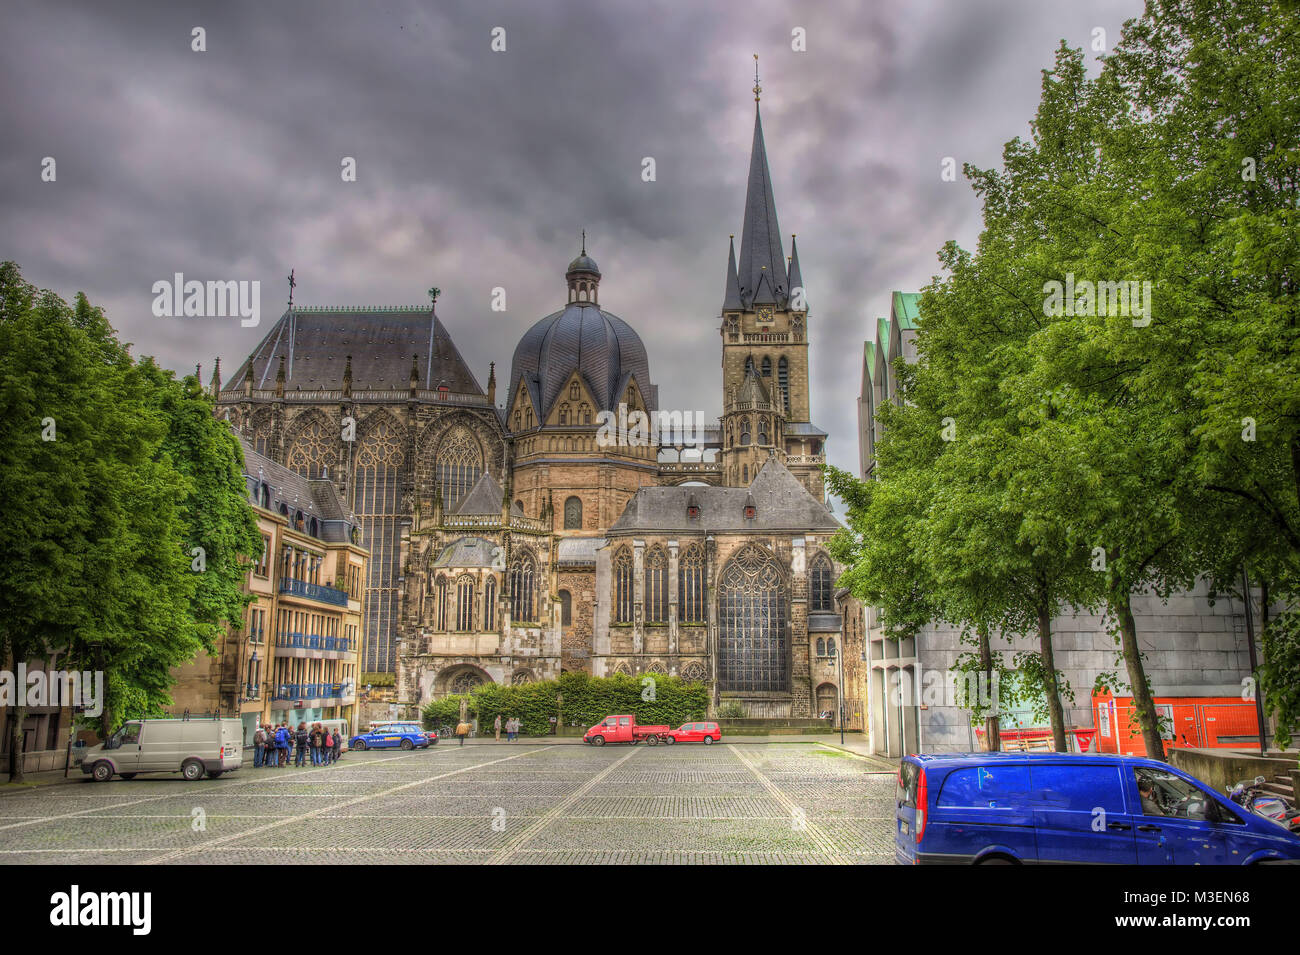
<point x="526" y="835"/>
<point x="218" y="787"/>
<point x="814" y="831"/>
<point x="213" y="843"/>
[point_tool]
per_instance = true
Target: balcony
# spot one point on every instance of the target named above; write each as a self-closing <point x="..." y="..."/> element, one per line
<point x="315" y="694"/>
<point x="319" y="592"/>
<point x="313" y="645"/>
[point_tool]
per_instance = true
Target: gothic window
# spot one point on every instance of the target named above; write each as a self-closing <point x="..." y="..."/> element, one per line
<point x="762" y="430"/>
<point x="521" y="677"/>
<point x="574" y="393"/>
<point x="523" y="572"/>
<point x="262" y="424"/>
<point x="830" y="646"/>
<point x="459" y="464"/>
<point x="490" y="604"/>
<point x="311" y="450"/>
<point x="573" y="514"/>
<point x="622" y="586"/>
<point x="783" y="382"/>
<point x="440" y="603"/>
<point x="464" y="683"/>
<point x="744" y="430"/>
<point x="690" y="584"/>
<point x="465" y="604"/>
<point x="821" y="647"/>
<point x="819" y="585"/>
<point x="586" y="414"/>
<point x="656" y="586"/>
<point x="519" y="421"/>
<point x="378" y="504"/>
<point x="694" y="672"/>
<point x="566" y="608"/>
<point x="564" y="414"/>
<point x="767" y="366"/>
<point x="744" y="474"/>
<point x="752" y="643"/>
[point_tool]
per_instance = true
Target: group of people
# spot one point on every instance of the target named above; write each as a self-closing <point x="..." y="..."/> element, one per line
<point x="275" y="745"/>
<point x="511" y="727"/>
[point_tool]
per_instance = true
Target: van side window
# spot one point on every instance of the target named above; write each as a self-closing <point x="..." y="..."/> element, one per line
<point x="1078" y="788"/>
<point x="1162" y="793"/>
<point x="985" y="787"/>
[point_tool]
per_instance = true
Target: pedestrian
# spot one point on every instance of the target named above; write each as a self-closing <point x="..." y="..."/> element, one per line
<point x="300" y="739"/>
<point x="512" y="729"/>
<point x="462" y="730"/>
<point x="338" y="746"/>
<point x="259" y="747"/>
<point x="327" y="752"/>
<point x="282" y="742"/>
<point x="317" y="745"/>
<point x="496" y="725"/>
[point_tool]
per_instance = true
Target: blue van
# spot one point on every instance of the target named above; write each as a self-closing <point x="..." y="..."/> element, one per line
<point x="1009" y="808"/>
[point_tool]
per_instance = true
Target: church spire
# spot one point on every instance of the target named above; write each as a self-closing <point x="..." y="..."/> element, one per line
<point x="760" y="242"/>
<point x="731" y="298"/>
<point x="796" y="276"/>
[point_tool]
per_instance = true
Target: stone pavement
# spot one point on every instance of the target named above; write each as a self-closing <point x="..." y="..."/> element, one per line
<point x="485" y="802"/>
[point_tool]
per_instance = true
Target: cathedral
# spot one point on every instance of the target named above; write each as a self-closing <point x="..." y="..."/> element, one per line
<point x="515" y="533"/>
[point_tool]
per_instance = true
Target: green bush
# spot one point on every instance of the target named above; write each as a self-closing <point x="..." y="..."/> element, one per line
<point x="587" y="700"/>
<point x="731" y="710"/>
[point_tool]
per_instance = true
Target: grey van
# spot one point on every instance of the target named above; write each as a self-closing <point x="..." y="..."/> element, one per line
<point x="191" y="747"/>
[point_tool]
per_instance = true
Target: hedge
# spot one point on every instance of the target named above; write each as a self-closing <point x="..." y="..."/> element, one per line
<point x="587" y="700"/>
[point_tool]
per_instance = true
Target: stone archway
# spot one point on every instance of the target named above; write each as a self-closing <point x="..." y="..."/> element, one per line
<point x="460" y="678"/>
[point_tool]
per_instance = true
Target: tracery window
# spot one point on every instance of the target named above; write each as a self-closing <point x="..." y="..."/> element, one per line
<point x="622" y="586"/>
<point x="522" y="574"/>
<point x="311" y="450"/>
<point x="656" y="586"/>
<point x="744" y="430"/>
<point x="762" y="430"/>
<point x="463" y="683"/>
<point x="573" y="514"/>
<point x="459" y="464"/>
<point x="440" y="603"/>
<point x="490" y="604"/>
<point x="752" y="645"/>
<point x="566" y="608"/>
<point x="819" y="585"/>
<point x="378" y="504"/>
<point x="465" y="603"/>
<point x="690" y="584"/>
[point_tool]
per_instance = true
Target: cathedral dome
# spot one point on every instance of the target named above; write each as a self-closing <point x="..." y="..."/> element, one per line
<point x="581" y="337"/>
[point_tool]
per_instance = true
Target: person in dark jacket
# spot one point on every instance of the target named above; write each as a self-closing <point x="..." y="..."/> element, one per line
<point x="282" y="744"/>
<point x="301" y="738"/>
<point x="338" y="745"/>
<point x="259" y="747"/>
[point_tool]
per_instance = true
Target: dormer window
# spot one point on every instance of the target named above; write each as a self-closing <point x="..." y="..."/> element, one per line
<point x="693" y="511"/>
<point x="750" y="512"/>
<point x="443" y="392"/>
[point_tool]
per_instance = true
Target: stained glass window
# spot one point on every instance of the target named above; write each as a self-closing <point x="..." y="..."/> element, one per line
<point x="312" y="449"/>
<point x="523" y="572"/>
<point x="378" y="503"/>
<point x="490" y="604"/>
<point x="622" y="586"/>
<point x="752" y="645"/>
<point x="690" y="584"/>
<point x="573" y="514"/>
<point x="459" y="464"/>
<point x="656" y="586"/>
<point x="819" y="585"/>
<point x="465" y="603"/>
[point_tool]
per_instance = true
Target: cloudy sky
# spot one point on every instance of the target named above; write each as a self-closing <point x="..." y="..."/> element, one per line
<point x="478" y="169"/>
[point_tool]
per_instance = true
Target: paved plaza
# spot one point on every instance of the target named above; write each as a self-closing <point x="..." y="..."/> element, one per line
<point x="484" y="803"/>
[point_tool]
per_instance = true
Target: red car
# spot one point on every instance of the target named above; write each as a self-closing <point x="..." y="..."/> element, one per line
<point x="707" y="733"/>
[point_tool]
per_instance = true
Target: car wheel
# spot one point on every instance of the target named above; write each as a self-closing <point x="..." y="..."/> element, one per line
<point x="708" y="741"/>
<point x="102" y="772"/>
<point x="192" y="769"/>
<point x="127" y="775"/>
<point x="359" y="746"/>
<point x="670" y="740"/>
<point x="407" y="744"/>
<point x="598" y="741"/>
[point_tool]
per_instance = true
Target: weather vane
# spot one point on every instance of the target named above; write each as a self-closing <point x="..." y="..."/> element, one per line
<point x="293" y="284"/>
<point x="433" y="295"/>
<point x="757" y="89"/>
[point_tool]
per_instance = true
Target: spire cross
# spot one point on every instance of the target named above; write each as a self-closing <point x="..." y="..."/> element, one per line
<point x="757" y="89"/>
<point x="584" y="241"/>
<point x="433" y="296"/>
<point x="293" y="284"/>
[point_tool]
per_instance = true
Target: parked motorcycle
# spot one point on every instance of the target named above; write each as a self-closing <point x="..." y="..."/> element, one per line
<point x="1254" y="798"/>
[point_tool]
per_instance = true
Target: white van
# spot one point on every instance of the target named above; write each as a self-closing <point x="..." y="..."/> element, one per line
<point x="191" y="747"/>
<point x="340" y="727"/>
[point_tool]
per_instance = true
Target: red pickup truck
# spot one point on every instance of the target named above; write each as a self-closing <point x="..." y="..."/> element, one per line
<point x="623" y="729"/>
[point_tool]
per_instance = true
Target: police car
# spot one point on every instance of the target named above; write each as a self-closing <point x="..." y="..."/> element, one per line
<point x="391" y="736"/>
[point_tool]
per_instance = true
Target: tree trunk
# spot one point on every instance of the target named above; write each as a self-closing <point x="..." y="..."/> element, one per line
<point x="18" y="717"/>
<point x="1143" y="702"/>
<point x="1055" y="712"/>
<point x="992" y="727"/>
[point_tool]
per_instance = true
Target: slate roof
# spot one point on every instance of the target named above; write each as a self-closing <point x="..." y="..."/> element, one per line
<point x="315" y="343"/>
<point x="317" y="498"/>
<point x="804" y="429"/>
<point x="782" y="503"/>
<point x="604" y="349"/>
<point x="731" y="295"/>
<point x="467" y="552"/>
<point x="484" y="497"/>
<point x="571" y="551"/>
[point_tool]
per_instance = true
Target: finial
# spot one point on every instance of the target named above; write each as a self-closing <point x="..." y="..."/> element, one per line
<point x="757" y="89"/>
<point x="584" y="241"/>
<point x="293" y="284"/>
<point x="433" y="296"/>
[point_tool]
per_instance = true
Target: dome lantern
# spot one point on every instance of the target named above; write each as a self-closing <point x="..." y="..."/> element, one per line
<point x="583" y="277"/>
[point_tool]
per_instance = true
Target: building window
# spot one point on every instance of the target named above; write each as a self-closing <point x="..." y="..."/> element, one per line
<point x="830" y="647"/>
<point x="783" y="382"/>
<point x="440" y="603"/>
<point x="762" y="431"/>
<point x="821" y="647"/>
<point x="522" y="574"/>
<point x="744" y="430"/>
<point x="312" y="448"/>
<point x="753" y="655"/>
<point x="566" y="608"/>
<point x="573" y="514"/>
<point x="378" y="504"/>
<point x="490" y="604"/>
<point x="460" y="462"/>
<point x="819" y="585"/>
<point x="564" y="414"/>
<point x="693" y="511"/>
<point x="465" y="604"/>
<point x="262" y="568"/>
<point x="656" y="586"/>
<point x="690" y="584"/>
<point x="574" y="394"/>
<point x="750" y="512"/>
<point x="622" y="586"/>
<point x="767" y="367"/>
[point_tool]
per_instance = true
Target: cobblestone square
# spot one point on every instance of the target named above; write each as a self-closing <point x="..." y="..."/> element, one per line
<point x="749" y="803"/>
